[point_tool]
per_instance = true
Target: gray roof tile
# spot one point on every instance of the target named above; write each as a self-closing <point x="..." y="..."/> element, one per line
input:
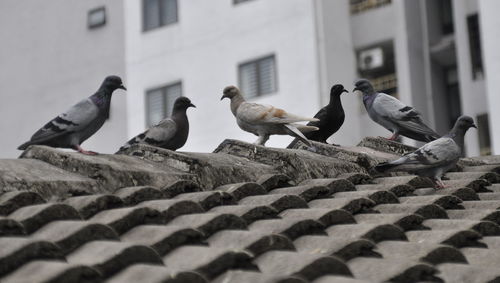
<point x="124" y="219"/>
<point x="11" y="201"/>
<point x="209" y="261"/>
<point x="255" y="242"/>
<point x="210" y="222"/>
<point x="35" y="216"/>
<point x="292" y="227"/>
<point x="307" y="192"/>
<point x="353" y="205"/>
<point x="109" y="257"/>
<point x="53" y="271"/>
<point x="137" y="194"/>
<point x="455" y="238"/>
<point x="71" y="234"/>
<point x="432" y="254"/>
<point x="162" y="238"/>
<point x="427" y="211"/>
<point x="279" y="202"/>
<point x="308" y="266"/>
<point x="325" y="216"/>
<point x="88" y="206"/>
<point x="453" y="272"/>
<point x="172" y="208"/>
<point x="10" y="227"/>
<point x="373" y="232"/>
<point x="405" y="221"/>
<point x="253" y="276"/>
<point x="344" y="248"/>
<point x="147" y="273"/>
<point x="241" y="190"/>
<point x="249" y="213"/>
<point x="209" y="199"/>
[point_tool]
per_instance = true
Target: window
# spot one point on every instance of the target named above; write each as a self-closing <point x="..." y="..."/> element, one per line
<point x="476" y="56"/>
<point x="159" y="102"/>
<point x="96" y="18"/>
<point x="377" y="64"/>
<point x="483" y="129"/>
<point x="239" y="1"/>
<point x="446" y="16"/>
<point x="358" y="6"/>
<point x="258" y="77"/>
<point x="157" y="13"/>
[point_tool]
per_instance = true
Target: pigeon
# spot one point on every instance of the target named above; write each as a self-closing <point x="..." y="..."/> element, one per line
<point x="170" y="133"/>
<point x="331" y="117"/>
<point x="436" y="157"/>
<point x="265" y="120"/>
<point x="393" y="115"/>
<point x="80" y="122"/>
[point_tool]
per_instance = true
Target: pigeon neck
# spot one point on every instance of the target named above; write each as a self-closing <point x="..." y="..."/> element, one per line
<point x="335" y="101"/>
<point x="368" y="99"/>
<point x="457" y="134"/>
<point x="236" y="102"/>
<point x="102" y="98"/>
<point x="179" y="113"/>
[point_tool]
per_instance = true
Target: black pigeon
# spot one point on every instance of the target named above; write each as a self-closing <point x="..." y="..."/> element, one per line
<point x="331" y="117"/>
<point x="170" y="133"/>
<point x="80" y="122"/>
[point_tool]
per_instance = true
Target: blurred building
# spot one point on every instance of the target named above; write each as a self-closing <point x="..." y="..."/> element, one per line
<point x="436" y="55"/>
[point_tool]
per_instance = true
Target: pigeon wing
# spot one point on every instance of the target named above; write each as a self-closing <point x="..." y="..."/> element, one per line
<point x="254" y="113"/>
<point x="435" y="153"/>
<point x="156" y="135"/>
<point x="405" y="117"/>
<point x="77" y="118"/>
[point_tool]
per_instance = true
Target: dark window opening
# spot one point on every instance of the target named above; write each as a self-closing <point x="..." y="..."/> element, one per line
<point x="476" y="56"/>
<point x="96" y="18"/>
<point x="159" y="102"/>
<point x="446" y="16"/>
<point x="158" y="13"/>
<point x="258" y="77"/>
<point x="452" y="95"/>
<point x="483" y="130"/>
<point x="377" y="64"/>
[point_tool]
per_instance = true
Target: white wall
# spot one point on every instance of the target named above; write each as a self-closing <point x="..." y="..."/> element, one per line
<point x="50" y="60"/>
<point x="472" y="92"/>
<point x="490" y="22"/>
<point x="203" y="50"/>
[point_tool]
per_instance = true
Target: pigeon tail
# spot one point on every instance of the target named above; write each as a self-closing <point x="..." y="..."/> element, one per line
<point x="382" y="167"/>
<point x="24" y="145"/>
<point x="294" y="131"/>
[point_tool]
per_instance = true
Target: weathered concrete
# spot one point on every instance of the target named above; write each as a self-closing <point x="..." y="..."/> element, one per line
<point x="299" y="165"/>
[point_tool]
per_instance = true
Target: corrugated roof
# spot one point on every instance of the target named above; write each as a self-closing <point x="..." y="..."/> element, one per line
<point x="245" y="213"/>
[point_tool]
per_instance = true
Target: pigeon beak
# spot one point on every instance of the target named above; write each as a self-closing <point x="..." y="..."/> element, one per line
<point x="355" y="89"/>
<point x="345" y="90"/>
<point x="192" y="105"/>
<point x="223" y="96"/>
<point x="474" y="126"/>
<point x="122" y="87"/>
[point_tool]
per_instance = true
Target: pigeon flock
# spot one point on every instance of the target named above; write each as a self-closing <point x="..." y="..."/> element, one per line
<point x="71" y="128"/>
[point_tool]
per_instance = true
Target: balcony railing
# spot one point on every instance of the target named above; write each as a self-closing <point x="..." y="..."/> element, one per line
<point x="358" y="6"/>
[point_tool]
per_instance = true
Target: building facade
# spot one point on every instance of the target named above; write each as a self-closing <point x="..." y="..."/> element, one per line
<point x="436" y="55"/>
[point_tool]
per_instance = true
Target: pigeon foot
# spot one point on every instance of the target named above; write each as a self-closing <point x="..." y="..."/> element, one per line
<point x="86" y="152"/>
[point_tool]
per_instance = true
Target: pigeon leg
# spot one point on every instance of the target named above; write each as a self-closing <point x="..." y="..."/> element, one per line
<point x="439" y="183"/>
<point x="261" y="140"/>
<point x="394" y="137"/>
<point x="81" y="150"/>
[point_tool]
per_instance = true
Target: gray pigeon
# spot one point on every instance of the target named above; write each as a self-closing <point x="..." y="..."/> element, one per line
<point x="393" y="115"/>
<point x="170" y="133"/>
<point x="265" y="120"/>
<point x="434" y="158"/>
<point x="73" y="127"/>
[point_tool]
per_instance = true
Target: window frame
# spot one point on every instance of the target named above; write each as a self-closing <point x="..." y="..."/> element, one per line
<point x="163" y="88"/>
<point x="257" y="62"/>
<point x="160" y="7"/>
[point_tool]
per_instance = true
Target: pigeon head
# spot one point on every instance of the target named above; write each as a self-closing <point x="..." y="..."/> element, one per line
<point x="364" y="86"/>
<point x="464" y="123"/>
<point x="113" y="82"/>
<point x="337" y="90"/>
<point x="230" y="92"/>
<point x="183" y="103"/>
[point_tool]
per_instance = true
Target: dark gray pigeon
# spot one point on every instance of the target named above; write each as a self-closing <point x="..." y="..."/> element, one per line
<point x="81" y="121"/>
<point x="170" y="133"/>
<point x="265" y="120"/>
<point x="393" y="115"/>
<point x="436" y="157"/>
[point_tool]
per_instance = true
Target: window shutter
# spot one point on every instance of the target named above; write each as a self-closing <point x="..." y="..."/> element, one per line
<point x="169" y="12"/>
<point x="248" y="80"/>
<point x="267" y="78"/>
<point x="172" y="93"/>
<point x="155" y="106"/>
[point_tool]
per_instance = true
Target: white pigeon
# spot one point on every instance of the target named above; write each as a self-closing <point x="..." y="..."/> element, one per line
<point x="434" y="158"/>
<point x="265" y="120"/>
<point x="393" y="115"/>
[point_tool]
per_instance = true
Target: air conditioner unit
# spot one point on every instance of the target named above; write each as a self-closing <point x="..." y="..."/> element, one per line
<point x="371" y="59"/>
